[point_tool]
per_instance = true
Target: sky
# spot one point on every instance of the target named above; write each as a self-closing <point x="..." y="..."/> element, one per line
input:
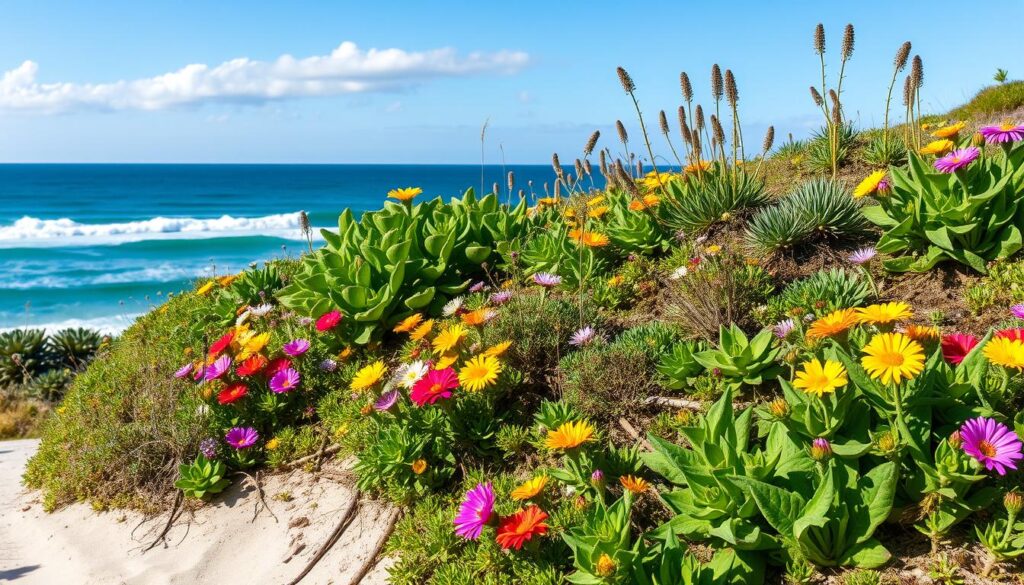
<point x="414" y="82"/>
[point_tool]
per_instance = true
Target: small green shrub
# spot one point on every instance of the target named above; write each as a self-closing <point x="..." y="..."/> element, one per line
<point x="817" y="209"/>
<point x="1003" y="285"/>
<point x="697" y="204"/>
<point x="882" y="151"/>
<point x="820" y="147"/>
<point x="50" y="385"/>
<point x="605" y="382"/>
<point x="202" y="478"/>
<point x="679" y="366"/>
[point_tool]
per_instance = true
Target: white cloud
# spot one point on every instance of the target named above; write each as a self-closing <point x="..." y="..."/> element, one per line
<point x="346" y="70"/>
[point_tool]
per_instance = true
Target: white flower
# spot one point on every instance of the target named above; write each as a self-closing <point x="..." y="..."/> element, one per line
<point x="680" y="272"/>
<point x="242" y="318"/>
<point x="260" y="310"/>
<point x="408" y="374"/>
<point x="452" y="306"/>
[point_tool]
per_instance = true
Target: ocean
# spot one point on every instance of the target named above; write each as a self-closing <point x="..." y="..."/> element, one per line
<point x="96" y="245"/>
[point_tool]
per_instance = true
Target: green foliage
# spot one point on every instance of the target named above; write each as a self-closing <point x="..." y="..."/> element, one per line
<point x="821" y="149"/>
<point x="697" y="204"/>
<point x="818" y="294"/>
<point x="633" y="232"/>
<point x="75" y="347"/>
<point x="712" y="291"/>
<point x="202" y="478"/>
<point x="740" y="360"/>
<point x="972" y="217"/>
<point x="993" y="100"/>
<point x="862" y="577"/>
<point x="399" y="260"/>
<point x="679" y="366"/>
<point x="602" y="546"/>
<point x="23" y="354"/>
<point x="50" y="385"/>
<point x="1003" y="285"/>
<point x="1003" y="537"/>
<point x="605" y="381"/>
<point x="817" y="209"/>
<point x="885" y="151"/>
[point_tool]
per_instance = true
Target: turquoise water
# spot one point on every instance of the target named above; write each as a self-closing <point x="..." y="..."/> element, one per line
<point x="97" y="245"/>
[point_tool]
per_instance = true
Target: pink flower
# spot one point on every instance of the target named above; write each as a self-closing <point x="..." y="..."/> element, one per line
<point x="957" y="159"/>
<point x="1002" y="133"/>
<point x="328" y="321"/>
<point x="183" y="371"/>
<point x="436" y="384"/>
<point x="1017" y="311"/>
<point x="218" y="367"/>
<point x="296" y="347"/>
<point x="242" y="437"/>
<point x="991" y="443"/>
<point x="284" y="381"/>
<point x="956" y="346"/>
<point x="475" y="512"/>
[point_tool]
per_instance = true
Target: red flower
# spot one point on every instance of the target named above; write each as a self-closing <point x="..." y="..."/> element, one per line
<point x="278" y="364"/>
<point x="436" y="384"/>
<point x="520" y="527"/>
<point x="232" y="393"/>
<point x="252" y="365"/>
<point x="222" y="343"/>
<point x="328" y="321"/>
<point x="956" y="346"/>
<point x="1016" y="334"/>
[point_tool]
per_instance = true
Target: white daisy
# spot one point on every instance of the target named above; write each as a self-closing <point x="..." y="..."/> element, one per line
<point x="452" y="306"/>
<point x="408" y="374"/>
<point x="260" y="310"/>
<point x="680" y="272"/>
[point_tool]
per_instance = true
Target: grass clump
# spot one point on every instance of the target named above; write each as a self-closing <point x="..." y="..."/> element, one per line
<point x="816" y="210"/>
<point x="818" y="294"/>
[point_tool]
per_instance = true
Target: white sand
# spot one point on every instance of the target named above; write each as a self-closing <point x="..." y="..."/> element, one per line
<point x="219" y="543"/>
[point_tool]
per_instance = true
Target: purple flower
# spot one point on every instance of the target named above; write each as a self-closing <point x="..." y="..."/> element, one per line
<point x="583" y="337"/>
<point x="477" y="287"/>
<point x="386" y="401"/>
<point x="1002" y="133"/>
<point x="183" y="371"/>
<point x="242" y="437"/>
<point x="328" y="365"/>
<point x="284" y="381"/>
<point x="957" y="159"/>
<point x="863" y="256"/>
<point x="208" y="447"/>
<point x="1017" y="311"/>
<point x="883" y="185"/>
<point x="305" y="321"/>
<point x="597" y="479"/>
<point x="218" y="368"/>
<point x="991" y="443"/>
<point x="501" y="297"/>
<point x="296" y="347"/>
<point x="546" y="279"/>
<point x="783" y="328"/>
<point x="475" y="511"/>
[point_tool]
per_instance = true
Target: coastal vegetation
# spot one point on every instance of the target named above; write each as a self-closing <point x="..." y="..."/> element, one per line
<point x="797" y="364"/>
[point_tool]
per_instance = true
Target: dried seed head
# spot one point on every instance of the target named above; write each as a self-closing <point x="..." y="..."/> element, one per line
<point x="732" y="94"/>
<point x="816" y="97"/>
<point x="625" y="80"/>
<point x="716" y="130"/>
<point x="622" y="131"/>
<point x="558" y="188"/>
<point x="556" y="164"/>
<point x="663" y="122"/>
<point x="521" y="194"/>
<point x="695" y="141"/>
<point x="639" y="168"/>
<point x="837" y="114"/>
<point x="699" y="118"/>
<point x="716" y="82"/>
<point x="819" y="39"/>
<point x="901" y="56"/>
<point x="591" y="143"/>
<point x="908" y="90"/>
<point x="494" y="187"/>
<point x="684" y="84"/>
<point x="684" y="128"/>
<point x="625" y="180"/>
<point x="579" y="168"/>
<point x="769" y="139"/>
<point x="587" y="168"/>
<point x="848" y="42"/>
<point x="511" y="181"/>
<point x="604" y="163"/>
<point x="304" y="223"/>
<point x="917" y="72"/>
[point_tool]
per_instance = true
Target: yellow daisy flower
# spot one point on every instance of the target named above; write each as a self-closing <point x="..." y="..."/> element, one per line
<point x="937" y="147"/>
<point x="596" y="200"/>
<point x="883" y="313"/>
<point x="570" y="435"/>
<point x="253" y="345"/>
<point x="368" y="376"/>
<point x="497" y="349"/>
<point x="892" y="358"/>
<point x="409" y="323"/>
<point x="701" y="165"/>
<point x="1005" y="352"/>
<point x="820" y="379"/>
<point x="205" y="289"/>
<point x="605" y="566"/>
<point x="598" y="212"/>
<point x="449" y="339"/>
<point x="922" y="333"/>
<point x="869" y="185"/>
<point x="949" y="131"/>
<point x="530" y="489"/>
<point x="479" y="372"/>
<point x="273" y="444"/>
<point x="422" y="331"/>
<point x="832" y="324"/>
<point x="405" y="194"/>
<point x="589" y="239"/>
<point x="637" y="485"/>
<point x="446" y="361"/>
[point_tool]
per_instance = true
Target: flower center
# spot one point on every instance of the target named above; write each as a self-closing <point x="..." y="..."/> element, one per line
<point x="1006" y="127"/>
<point x="435" y="388"/>
<point x="891" y="359"/>
<point x="987" y="449"/>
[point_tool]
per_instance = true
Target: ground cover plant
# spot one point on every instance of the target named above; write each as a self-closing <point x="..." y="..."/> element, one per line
<point x="685" y="375"/>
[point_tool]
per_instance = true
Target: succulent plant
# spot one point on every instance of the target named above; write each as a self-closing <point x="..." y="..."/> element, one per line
<point x="50" y="385"/>
<point x="202" y="477"/>
<point x="23" y="354"/>
<point x="741" y="360"/>
<point x="75" y="347"/>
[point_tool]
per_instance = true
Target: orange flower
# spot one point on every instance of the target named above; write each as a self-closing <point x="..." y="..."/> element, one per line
<point x="422" y="331"/>
<point x="409" y="323"/>
<point x="479" y="316"/>
<point x="834" y="323"/>
<point x="530" y="489"/>
<point x="637" y="485"/>
<point x="922" y="333"/>
<point x="520" y="527"/>
<point x="419" y="466"/>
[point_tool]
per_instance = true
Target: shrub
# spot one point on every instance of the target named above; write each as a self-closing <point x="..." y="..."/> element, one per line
<point x="605" y="382"/>
<point x="1003" y="285"/>
<point x="75" y="347"/>
<point x="993" y="100"/>
<point x="20" y="418"/>
<point x="882" y="151"/>
<point x="817" y="209"/>
<point x="698" y="203"/>
<point x="23" y="354"/>
<point x="819" y="148"/>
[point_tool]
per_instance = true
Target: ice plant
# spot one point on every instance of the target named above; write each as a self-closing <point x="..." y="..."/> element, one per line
<point x="1006" y="352"/>
<point x="328" y="321"/>
<point x="869" y="185"/>
<point x="783" y="328"/>
<point x="821" y="449"/>
<point x="1015" y="333"/>
<point x="221" y="344"/>
<point x="1017" y="311"/>
<point x="570" y="435"/>
<point x="242" y="437"/>
<point x="517" y="529"/>
<point x="479" y="316"/>
<point x="892" y="358"/>
<point x="436" y="384"/>
<point x="475" y="511"/>
<point x="820" y="378"/>
<point x="251" y="366"/>
<point x="949" y="130"/>
<point x="957" y="159"/>
<point x="501" y="297"/>
<point x="863" y="256"/>
<point x="583" y="336"/>
<point x="409" y="323"/>
<point x="453" y="306"/>
<point x="956" y="346"/>
<point x="410" y="373"/>
<point x="261" y="310"/>
<point x="405" y="194"/>
<point x="218" y="368"/>
<point x="277" y="364"/>
<point x="284" y="381"/>
<point x="419" y="466"/>
<point x="937" y="147"/>
<point x="530" y="488"/>
<point x="296" y="347"/>
<point x="992" y="444"/>
<point x="449" y="339"/>
<point x="368" y="376"/>
<point x="497" y="349"/>
<point x="479" y="372"/>
<point x="546" y="279"/>
<point x="386" y="401"/>
<point x="1005" y="132"/>
<point x="922" y="333"/>
<point x="232" y="393"/>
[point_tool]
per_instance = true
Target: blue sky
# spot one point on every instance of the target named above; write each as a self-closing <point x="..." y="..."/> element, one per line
<point x="543" y="73"/>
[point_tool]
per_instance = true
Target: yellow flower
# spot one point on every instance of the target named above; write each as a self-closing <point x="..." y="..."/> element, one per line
<point x="922" y="333"/>
<point x="273" y="444"/>
<point x="409" y="323"/>
<point x="570" y="213"/>
<point x="713" y="249"/>
<point x="405" y="194"/>
<point x="497" y="349"/>
<point x="869" y="185"/>
<point x="949" y="131"/>
<point x="569" y="435"/>
<point x="479" y="316"/>
<point x="422" y="331"/>
<point x="589" y="239"/>
<point x="598" y="211"/>
<point x="345" y="354"/>
<point x="637" y="485"/>
<point x="596" y="200"/>
<point x="892" y="357"/>
<point x="937" y="147"/>
<point x="605" y="566"/>
<point x="884" y="313"/>
<point x="820" y="379"/>
<point x="547" y="201"/>
<point x="530" y="489"/>
<point x="225" y="281"/>
<point x="616" y="280"/>
<point x="1005" y="352"/>
<point x="446" y="361"/>
<point x="419" y="466"/>
<point x="253" y="345"/>
<point x="449" y="339"/>
<point x="206" y="288"/>
<point x="479" y="372"/>
<point x="646" y="202"/>
<point x="834" y="323"/>
<point x="367" y="376"/>
<point x="702" y="165"/>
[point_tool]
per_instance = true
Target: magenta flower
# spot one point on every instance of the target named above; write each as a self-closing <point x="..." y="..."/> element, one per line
<point x="475" y="511"/>
<point x="501" y="297"/>
<point x="584" y="336"/>
<point x="296" y="347"/>
<point x="546" y="279"/>
<point x="956" y="346"/>
<point x="242" y="437"/>
<point x="218" y="368"/>
<point x="183" y="371"/>
<point x="1017" y="311"/>
<point x="992" y="443"/>
<point x="783" y="328"/>
<point x="957" y="159"/>
<point x="883" y="185"/>
<point x="863" y="256"/>
<point x="1002" y="133"/>
<point x="479" y="286"/>
<point x="284" y="381"/>
<point x="386" y="401"/>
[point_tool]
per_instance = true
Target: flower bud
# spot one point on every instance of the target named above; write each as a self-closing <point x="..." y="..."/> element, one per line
<point x="977" y="140"/>
<point x="1013" y="502"/>
<point x="886" y="442"/>
<point x="597" y="479"/>
<point x="605" y="566"/>
<point x="955" y="440"/>
<point x="779" y="408"/>
<point x="821" y="449"/>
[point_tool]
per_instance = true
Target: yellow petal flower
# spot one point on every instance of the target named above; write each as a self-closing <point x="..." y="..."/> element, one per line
<point x="405" y="194"/>
<point x="570" y="435"/>
<point x="892" y="358"/>
<point x="479" y="372"/>
<point x="820" y="379"/>
<point x="530" y="489"/>
<point x="368" y="376"/>
<point x="869" y="185"/>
